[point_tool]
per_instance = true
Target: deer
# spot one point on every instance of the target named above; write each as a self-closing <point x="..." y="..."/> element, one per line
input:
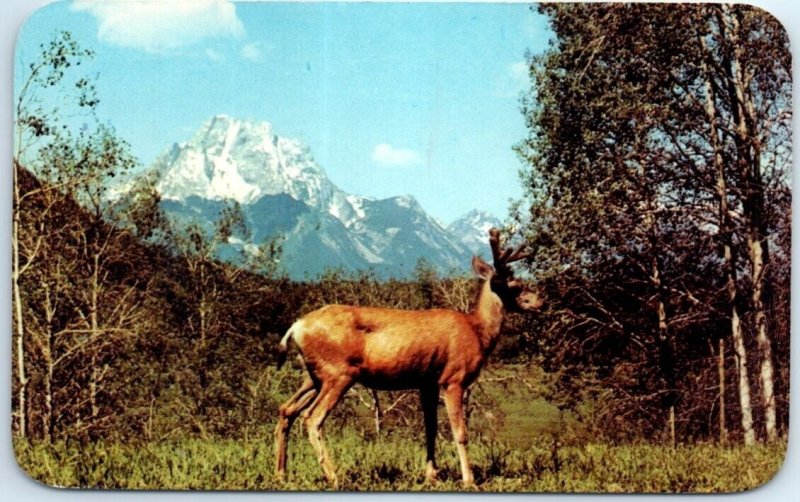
<point x="392" y="349"/>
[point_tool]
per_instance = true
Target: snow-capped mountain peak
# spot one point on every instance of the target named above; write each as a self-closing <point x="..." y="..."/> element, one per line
<point x="472" y="230"/>
<point x="241" y="160"/>
<point x="284" y="192"/>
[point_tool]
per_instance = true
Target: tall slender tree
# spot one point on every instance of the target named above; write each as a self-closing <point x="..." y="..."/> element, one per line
<point x="641" y="117"/>
<point x="755" y="82"/>
<point x="37" y="122"/>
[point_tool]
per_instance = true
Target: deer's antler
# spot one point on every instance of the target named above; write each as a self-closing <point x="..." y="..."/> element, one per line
<point x="503" y="257"/>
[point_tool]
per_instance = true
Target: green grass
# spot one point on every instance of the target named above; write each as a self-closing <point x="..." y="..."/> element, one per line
<point x="394" y="463"/>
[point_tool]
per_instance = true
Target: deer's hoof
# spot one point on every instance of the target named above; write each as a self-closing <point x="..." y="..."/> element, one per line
<point x="333" y="481"/>
<point x="431" y="476"/>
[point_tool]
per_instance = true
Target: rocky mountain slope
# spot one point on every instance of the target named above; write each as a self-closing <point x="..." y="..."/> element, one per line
<point x="283" y="191"/>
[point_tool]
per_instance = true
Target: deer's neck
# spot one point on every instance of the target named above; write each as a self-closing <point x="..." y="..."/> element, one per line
<point x="488" y="317"/>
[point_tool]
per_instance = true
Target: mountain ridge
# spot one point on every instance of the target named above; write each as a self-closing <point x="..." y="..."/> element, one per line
<point x="247" y="161"/>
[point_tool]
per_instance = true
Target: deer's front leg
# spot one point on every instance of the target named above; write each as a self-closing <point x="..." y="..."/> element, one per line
<point x="453" y="401"/>
<point x="429" y="397"/>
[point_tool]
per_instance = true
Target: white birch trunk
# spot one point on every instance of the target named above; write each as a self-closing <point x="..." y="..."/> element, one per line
<point x="729" y="264"/>
<point x="749" y="153"/>
<point x="19" y="327"/>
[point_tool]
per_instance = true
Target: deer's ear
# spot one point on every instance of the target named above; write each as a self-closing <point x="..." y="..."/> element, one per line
<point x="481" y="268"/>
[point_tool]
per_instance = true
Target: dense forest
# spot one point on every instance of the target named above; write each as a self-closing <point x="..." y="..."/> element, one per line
<point x="659" y="207"/>
<point x="657" y="215"/>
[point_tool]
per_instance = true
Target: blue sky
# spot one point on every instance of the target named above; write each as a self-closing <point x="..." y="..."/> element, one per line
<point x="393" y="99"/>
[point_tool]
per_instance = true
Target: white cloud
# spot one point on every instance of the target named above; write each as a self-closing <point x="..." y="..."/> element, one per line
<point x="215" y="55"/>
<point x="160" y="25"/>
<point x="252" y="52"/>
<point x="387" y="155"/>
<point x="519" y="73"/>
<point x="514" y="80"/>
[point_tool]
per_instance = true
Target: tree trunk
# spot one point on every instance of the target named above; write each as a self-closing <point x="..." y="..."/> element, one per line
<point x="667" y="366"/>
<point x="377" y="416"/>
<point x="766" y="372"/>
<point x="744" y="380"/>
<point x="665" y="341"/>
<point x="48" y="404"/>
<point x="729" y="263"/>
<point x="19" y="327"/>
<point x="22" y="378"/>
<point x="47" y="354"/>
<point x="94" y="328"/>
<point x="672" y="425"/>
<point x="748" y="150"/>
<point x="723" y="432"/>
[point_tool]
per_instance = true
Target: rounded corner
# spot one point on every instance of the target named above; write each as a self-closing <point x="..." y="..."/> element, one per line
<point x="21" y="467"/>
<point x="28" y="18"/>
<point x="765" y="12"/>
<point x="781" y="468"/>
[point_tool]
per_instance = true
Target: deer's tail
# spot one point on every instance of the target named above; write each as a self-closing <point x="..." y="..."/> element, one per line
<point x="283" y="347"/>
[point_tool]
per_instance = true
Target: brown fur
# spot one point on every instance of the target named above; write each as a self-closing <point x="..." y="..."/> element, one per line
<point x="390" y="350"/>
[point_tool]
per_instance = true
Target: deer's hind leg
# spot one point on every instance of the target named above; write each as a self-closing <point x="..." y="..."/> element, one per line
<point x="331" y="393"/>
<point x="287" y="414"/>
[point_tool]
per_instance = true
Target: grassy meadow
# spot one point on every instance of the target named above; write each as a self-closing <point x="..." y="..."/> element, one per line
<point x="518" y="442"/>
<point x="396" y="464"/>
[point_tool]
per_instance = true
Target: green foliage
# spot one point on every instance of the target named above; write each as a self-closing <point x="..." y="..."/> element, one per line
<point x="622" y="210"/>
<point x="396" y="464"/>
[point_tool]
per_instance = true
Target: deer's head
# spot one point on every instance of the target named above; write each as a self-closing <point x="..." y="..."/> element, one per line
<point x="515" y="294"/>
